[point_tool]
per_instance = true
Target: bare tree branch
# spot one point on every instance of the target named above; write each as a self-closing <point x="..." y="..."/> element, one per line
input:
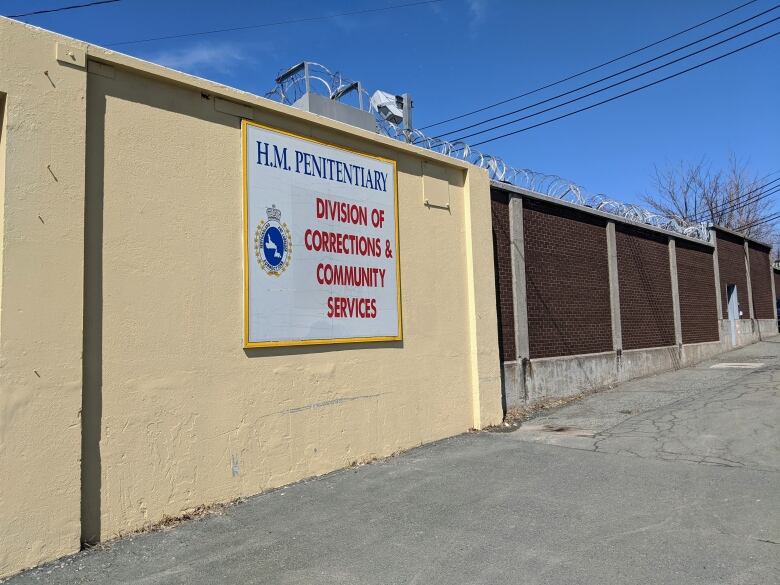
<point x="733" y="197"/>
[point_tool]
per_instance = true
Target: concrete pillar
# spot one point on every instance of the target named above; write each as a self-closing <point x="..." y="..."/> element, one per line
<point x="483" y="326"/>
<point x="614" y="288"/>
<point x="774" y="292"/>
<point x="675" y="292"/>
<point x="716" y="271"/>
<point x="747" y="280"/>
<point x="519" y="294"/>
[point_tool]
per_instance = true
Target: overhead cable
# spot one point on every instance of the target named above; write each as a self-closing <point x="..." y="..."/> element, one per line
<point x="616" y="84"/>
<point x="61" y="9"/>
<point x="758" y="222"/>
<point x="609" y="62"/>
<point x="629" y="92"/>
<point x="276" y="23"/>
<point x="744" y="199"/>
<point x="626" y="70"/>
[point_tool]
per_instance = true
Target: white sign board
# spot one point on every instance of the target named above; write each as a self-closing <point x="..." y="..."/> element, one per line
<point x="320" y="242"/>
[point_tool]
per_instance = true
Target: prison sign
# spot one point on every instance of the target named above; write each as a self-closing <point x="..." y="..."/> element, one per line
<point x="320" y="242"/>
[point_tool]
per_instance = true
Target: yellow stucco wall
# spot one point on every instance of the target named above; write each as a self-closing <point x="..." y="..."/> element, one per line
<point x="42" y="194"/>
<point x="183" y="415"/>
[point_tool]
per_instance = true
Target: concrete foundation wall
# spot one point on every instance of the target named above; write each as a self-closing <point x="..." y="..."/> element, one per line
<point x="698" y="352"/>
<point x="747" y="331"/>
<point x="570" y="375"/>
<point x="767" y="327"/>
<point x="637" y="363"/>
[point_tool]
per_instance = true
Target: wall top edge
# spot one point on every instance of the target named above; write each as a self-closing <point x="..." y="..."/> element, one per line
<point x="595" y="212"/>
<point x="108" y="56"/>
<point x="725" y="230"/>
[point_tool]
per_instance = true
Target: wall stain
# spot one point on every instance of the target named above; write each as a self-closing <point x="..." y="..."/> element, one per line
<point x="333" y="402"/>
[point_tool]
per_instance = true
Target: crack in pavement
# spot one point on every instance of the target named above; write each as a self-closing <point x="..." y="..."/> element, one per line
<point x="717" y="418"/>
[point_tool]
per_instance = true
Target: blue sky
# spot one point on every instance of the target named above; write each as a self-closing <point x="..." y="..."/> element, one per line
<point x="457" y="55"/>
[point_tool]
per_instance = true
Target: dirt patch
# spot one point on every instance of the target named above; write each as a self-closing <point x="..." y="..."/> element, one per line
<point x="196" y="513"/>
<point x="516" y="416"/>
<point x="167" y="522"/>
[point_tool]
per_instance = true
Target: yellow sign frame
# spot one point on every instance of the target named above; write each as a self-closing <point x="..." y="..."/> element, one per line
<point x="328" y="341"/>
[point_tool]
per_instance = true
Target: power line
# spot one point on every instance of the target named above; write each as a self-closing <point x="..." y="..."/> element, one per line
<point x="740" y="205"/>
<point x="73" y="7"/>
<point x="743" y="200"/>
<point x="728" y="207"/>
<point x="570" y="77"/>
<point x="629" y="92"/>
<point x="737" y="205"/>
<point x="277" y="23"/>
<point x="576" y="89"/>
<point x="616" y="84"/>
<point x="758" y="222"/>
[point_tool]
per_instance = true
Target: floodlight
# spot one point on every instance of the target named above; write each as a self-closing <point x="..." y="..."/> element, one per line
<point x="389" y="106"/>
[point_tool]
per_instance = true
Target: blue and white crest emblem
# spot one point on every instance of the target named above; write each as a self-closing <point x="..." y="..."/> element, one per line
<point x="273" y="244"/>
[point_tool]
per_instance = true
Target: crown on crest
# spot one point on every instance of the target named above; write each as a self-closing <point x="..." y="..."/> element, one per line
<point x="273" y="213"/>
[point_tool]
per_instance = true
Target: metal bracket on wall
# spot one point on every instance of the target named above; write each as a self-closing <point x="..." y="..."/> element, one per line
<point x="71" y="55"/>
<point x="430" y="205"/>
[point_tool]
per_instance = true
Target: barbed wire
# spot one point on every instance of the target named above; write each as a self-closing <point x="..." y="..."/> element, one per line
<point x="329" y="83"/>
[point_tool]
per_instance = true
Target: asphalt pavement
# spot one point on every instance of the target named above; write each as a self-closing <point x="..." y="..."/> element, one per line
<point x="673" y="478"/>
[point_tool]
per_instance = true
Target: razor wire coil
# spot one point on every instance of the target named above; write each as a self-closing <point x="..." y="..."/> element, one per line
<point x="326" y="82"/>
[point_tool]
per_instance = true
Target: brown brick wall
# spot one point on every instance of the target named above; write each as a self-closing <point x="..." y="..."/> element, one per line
<point x="696" y="284"/>
<point x="760" y="281"/>
<point x="646" y="311"/>
<point x="567" y="281"/>
<point x="502" y="241"/>
<point x="731" y="264"/>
